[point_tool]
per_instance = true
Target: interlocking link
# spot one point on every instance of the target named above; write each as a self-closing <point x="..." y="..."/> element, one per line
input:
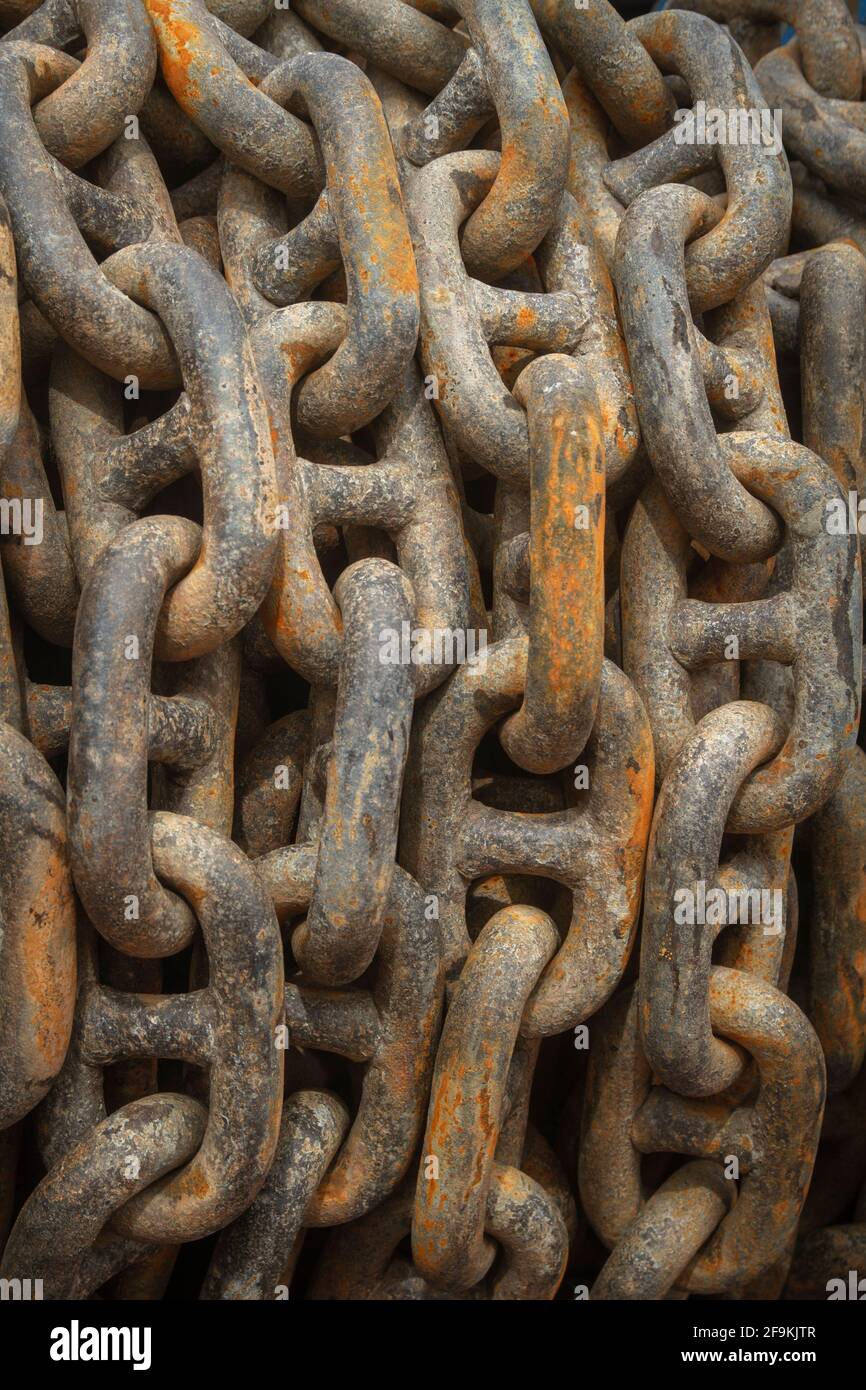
<point x="431" y="445"/>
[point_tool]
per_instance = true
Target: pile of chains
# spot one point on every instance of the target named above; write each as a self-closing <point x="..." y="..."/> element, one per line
<point x="431" y="436"/>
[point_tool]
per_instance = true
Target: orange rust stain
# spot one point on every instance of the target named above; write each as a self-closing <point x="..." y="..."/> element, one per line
<point x="300" y="357"/>
<point x="178" y="40"/>
<point x="195" y="1182"/>
<point x="48" y="964"/>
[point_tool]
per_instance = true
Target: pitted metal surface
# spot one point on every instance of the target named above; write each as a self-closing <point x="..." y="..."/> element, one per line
<point x="431" y="437"/>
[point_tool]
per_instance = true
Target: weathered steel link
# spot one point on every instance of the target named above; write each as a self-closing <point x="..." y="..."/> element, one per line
<point x="110" y="730"/>
<point x="614" y="64"/>
<point x="468" y="1093"/>
<point x="156" y="1133"/>
<point x="358" y="839"/>
<point x="254" y="1252"/>
<point x="408" y="492"/>
<point x="626" y="1115"/>
<point x="595" y="847"/>
<point x="666" y="365"/>
<point x="38" y="925"/>
<point x="86" y="113"/>
<point x="255" y="132"/>
<point x="432" y="435"/>
<point x="474" y="403"/>
<point x="392" y="1029"/>
<point x="824" y="131"/>
<point x="690" y="816"/>
<point x="688" y="633"/>
<point x="369" y="228"/>
<point x="825" y="31"/>
<point x="402" y="41"/>
<point x="516" y="69"/>
<point x="662" y="1241"/>
<point x="727" y="257"/>
<point x="230" y="440"/>
<point x="563" y="664"/>
<point x="60" y="273"/>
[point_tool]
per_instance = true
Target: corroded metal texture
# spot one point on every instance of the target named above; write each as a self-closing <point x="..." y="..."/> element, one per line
<point x="431" y="442"/>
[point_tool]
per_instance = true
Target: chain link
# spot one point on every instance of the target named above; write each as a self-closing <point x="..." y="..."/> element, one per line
<point x="431" y="439"/>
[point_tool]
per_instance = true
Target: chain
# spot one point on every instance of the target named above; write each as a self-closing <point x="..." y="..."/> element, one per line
<point x="431" y="441"/>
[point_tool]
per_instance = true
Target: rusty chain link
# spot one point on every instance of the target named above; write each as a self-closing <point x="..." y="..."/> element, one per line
<point x="431" y="443"/>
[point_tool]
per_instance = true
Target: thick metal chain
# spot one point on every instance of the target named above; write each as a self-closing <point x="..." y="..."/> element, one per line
<point x="431" y="439"/>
